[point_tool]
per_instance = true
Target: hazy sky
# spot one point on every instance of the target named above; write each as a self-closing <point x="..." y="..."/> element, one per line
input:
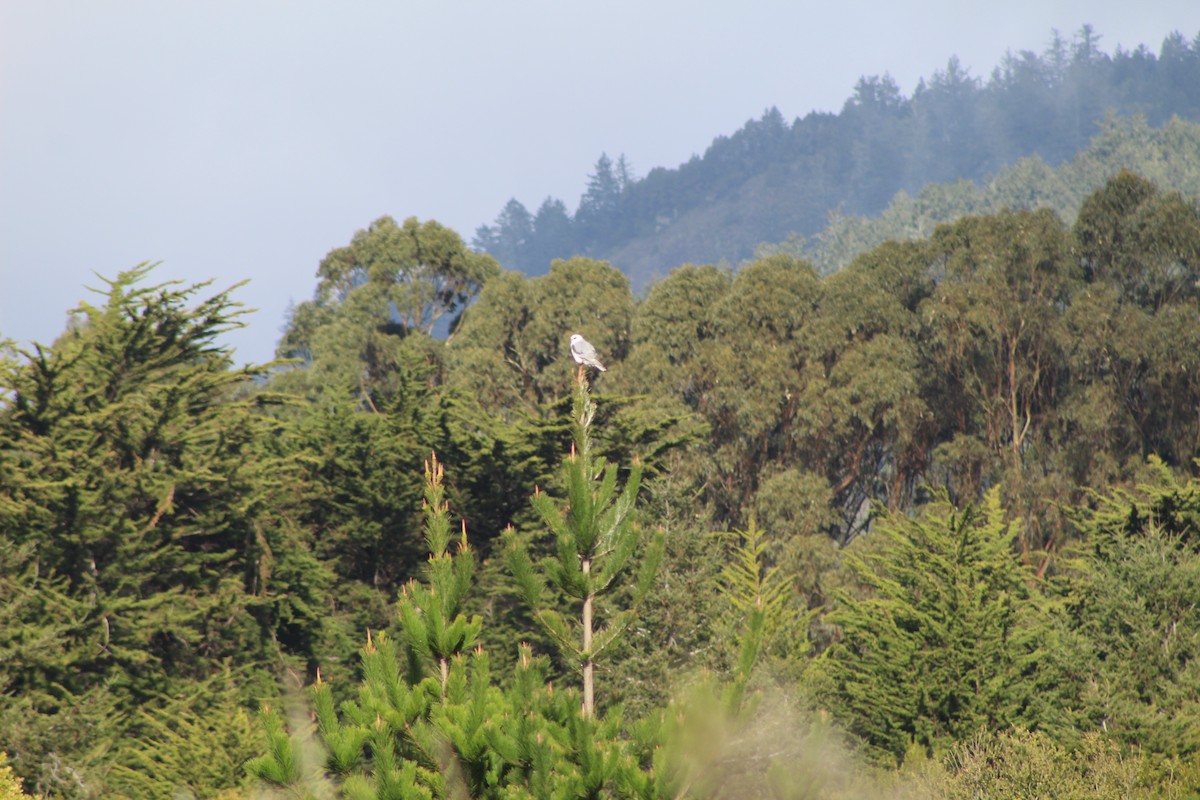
<point x="235" y="140"/>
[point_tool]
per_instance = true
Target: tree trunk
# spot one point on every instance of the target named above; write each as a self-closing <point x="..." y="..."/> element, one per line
<point x="589" y="698"/>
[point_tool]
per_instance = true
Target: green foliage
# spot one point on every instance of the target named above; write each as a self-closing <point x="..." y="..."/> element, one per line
<point x="983" y="144"/>
<point x="943" y="638"/>
<point x="1132" y="610"/>
<point x="144" y="517"/>
<point x="594" y="539"/>
<point x="10" y="784"/>
<point x="760" y="357"/>
<point x="429" y="720"/>
<point x="1019" y="763"/>
<point x="998" y="341"/>
<point x="507" y="352"/>
<point x="431" y="612"/>
<point x="197" y="744"/>
<point x="177" y="535"/>
<point x="416" y="726"/>
<point x="1165" y="155"/>
<point x="734" y="733"/>
<point x="1133" y="331"/>
<point x="366" y="333"/>
<point x="280" y="765"/>
<point x="759" y="595"/>
<point x="670" y="330"/>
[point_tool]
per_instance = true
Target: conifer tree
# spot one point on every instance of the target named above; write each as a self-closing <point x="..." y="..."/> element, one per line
<point x="416" y="728"/>
<point x="146" y="514"/>
<point x="734" y="733"/>
<point x="431" y="615"/>
<point x="10" y="784"/>
<point x="1132" y="607"/>
<point x="594" y="540"/>
<point x="430" y="719"/>
<point x="942" y="638"/>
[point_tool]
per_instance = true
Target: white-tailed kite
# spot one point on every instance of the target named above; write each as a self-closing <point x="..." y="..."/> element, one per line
<point x="583" y="352"/>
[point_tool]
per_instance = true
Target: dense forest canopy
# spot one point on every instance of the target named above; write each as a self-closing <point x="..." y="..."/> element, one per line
<point x="962" y="472"/>
<point x="910" y="512"/>
<point x="774" y="179"/>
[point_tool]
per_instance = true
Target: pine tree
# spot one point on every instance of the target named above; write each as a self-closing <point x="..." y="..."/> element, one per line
<point x="594" y="540"/>
<point x="736" y="732"/>
<point x="431" y="612"/>
<point x="416" y="728"/>
<point x="429" y="718"/>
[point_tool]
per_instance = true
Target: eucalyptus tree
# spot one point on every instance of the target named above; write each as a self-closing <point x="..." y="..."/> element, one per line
<point x="761" y="364"/>
<point x="507" y="352"/>
<point x="671" y="331"/>
<point x="995" y="335"/>
<point x="867" y="426"/>
<point x="1134" y="354"/>
<point x="378" y="301"/>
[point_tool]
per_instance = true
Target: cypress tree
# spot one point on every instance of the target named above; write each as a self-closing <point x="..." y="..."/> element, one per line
<point x="141" y="509"/>
<point x="941" y="639"/>
<point x="1132" y="611"/>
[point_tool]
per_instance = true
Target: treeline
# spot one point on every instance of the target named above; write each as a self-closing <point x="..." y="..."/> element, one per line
<point x="1169" y="156"/>
<point x="774" y="179"/>
<point x="960" y="474"/>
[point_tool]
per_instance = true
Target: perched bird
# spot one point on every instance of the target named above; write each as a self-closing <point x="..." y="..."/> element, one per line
<point x="583" y="352"/>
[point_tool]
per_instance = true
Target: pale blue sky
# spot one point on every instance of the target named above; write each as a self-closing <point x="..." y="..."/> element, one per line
<point x="246" y="139"/>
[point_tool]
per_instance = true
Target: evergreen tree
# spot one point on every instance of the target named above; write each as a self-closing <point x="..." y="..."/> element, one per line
<point x="594" y="540"/>
<point x="1130" y="605"/>
<point x="430" y="720"/>
<point x="510" y="240"/>
<point x="599" y="203"/>
<point x="553" y="237"/>
<point x="415" y="728"/>
<point x="431" y="612"/>
<point x="942" y="638"/>
<point x="144" y="512"/>
<point x="10" y="784"/>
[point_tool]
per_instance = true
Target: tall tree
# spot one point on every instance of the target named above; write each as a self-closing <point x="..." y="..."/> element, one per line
<point x="595" y="540"/>
<point x="1130" y="607"/>
<point x="510" y="240"/>
<point x="760" y="362"/>
<point x="377" y="302"/>
<point x="553" y="236"/>
<point x="142" y="492"/>
<point x="510" y="349"/>
<point x="866" y="428"/>
<point x="600" y="201"/>
<point x="1133" y="349"/>
<point x="996" y="336"/>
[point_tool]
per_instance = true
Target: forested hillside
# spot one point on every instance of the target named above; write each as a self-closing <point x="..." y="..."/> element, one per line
<point x="924" y="527"/>
<point x="776" y="179"/>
